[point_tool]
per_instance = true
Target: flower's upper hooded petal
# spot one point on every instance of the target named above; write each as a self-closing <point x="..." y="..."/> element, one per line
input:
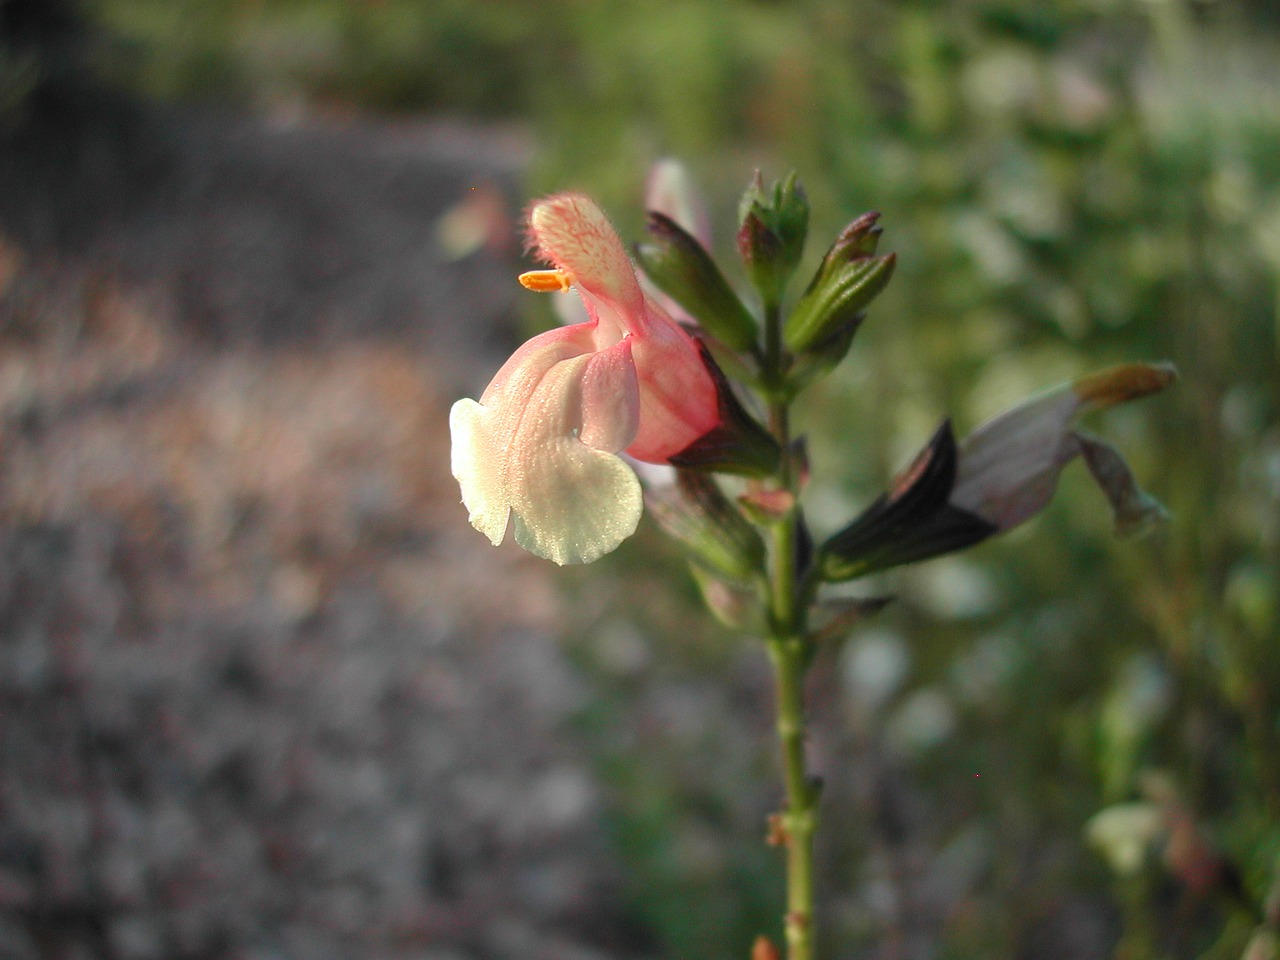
<point x="571" y="232"/>
<point x="678" y="396"/>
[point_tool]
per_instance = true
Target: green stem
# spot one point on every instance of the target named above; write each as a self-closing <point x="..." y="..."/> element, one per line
<point x="788" y="646"/>
<point x="799" y="819"/>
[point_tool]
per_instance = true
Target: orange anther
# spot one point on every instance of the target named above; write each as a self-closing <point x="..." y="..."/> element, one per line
<point x="546" y="281"/>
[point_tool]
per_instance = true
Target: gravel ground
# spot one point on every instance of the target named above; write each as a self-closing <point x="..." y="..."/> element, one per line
<point x="264" y="693"/>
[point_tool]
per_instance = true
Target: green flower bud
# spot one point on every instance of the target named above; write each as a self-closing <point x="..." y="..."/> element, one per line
<point x="696" y="512"/>
<point x="772" y="234"/>
<point x="822" y="357"/>
<point x="847" y="280"/>
<point x="682" y="269"/>
<point x="734" y="605"/>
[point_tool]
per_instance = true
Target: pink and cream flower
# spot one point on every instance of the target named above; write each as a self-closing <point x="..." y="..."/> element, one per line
<point x="540" y="450"/>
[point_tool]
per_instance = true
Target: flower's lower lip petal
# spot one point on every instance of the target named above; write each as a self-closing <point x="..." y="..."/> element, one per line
<point x="1134" y="509"/>
<point x="577" y="505"/>
<point x="483" y="487"/>
<point x="483" y="434"/>
<point x="573" y="503"/>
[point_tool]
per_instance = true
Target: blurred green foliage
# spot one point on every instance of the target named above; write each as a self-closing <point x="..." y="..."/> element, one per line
<point x="1067" y="184"/>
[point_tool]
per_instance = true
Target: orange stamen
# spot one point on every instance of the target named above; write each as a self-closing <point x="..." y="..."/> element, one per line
<point x="546" y="281"/>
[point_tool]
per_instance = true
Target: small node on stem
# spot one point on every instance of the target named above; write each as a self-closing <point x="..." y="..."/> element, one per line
<point x="546" y="281"/>
<point x="767" y="507"/>
<point x="776" y="834"/>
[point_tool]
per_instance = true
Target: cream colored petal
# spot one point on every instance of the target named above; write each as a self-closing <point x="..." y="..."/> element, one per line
<point x="578" y="505"/>
<point x="481" y="478"/>
<point x="482" y="433"/>
<point x="573" y="503"/>
<point x="540" y="449"/>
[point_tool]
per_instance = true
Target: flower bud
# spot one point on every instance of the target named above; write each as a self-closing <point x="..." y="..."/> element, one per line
<point x="772" y="234"/>
<point x="734" y="605"/>
<point x="767" y="507"/>
<point x="846" y="282"/>
<point x="912" y="521"/>
<point x="696" y="512"/>
<point x="680" y="267"/>
<point x="822" y="357"/>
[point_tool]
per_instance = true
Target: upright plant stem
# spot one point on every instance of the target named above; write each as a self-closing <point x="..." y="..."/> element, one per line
<point x="788" y="649"/>
<point x="799" y="819"/>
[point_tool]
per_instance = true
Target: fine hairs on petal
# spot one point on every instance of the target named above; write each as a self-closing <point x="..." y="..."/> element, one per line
<point x="570" y="232"/>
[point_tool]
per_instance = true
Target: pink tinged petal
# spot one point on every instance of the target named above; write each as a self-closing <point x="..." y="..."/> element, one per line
<point x="539" y="448"/>
<point x="679" y="402"/>
<point x="610" y="399"/>
<point x="573" y="502"/>
<point x="520" y="374"/>
<point x="1009" y="466"/>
